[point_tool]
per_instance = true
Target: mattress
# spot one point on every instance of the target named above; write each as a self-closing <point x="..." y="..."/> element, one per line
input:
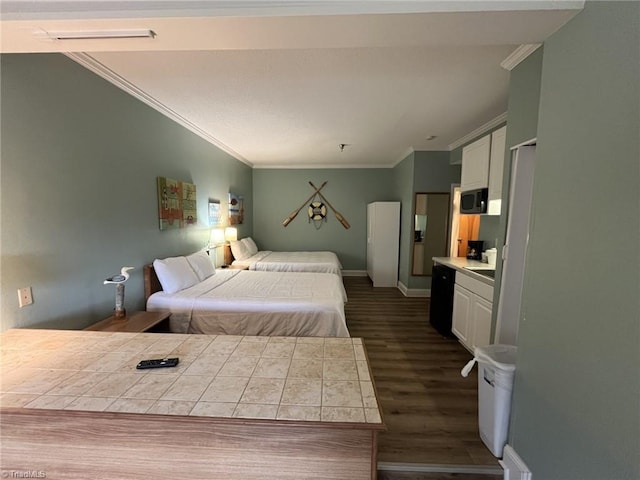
<point x="241" y="302"/>
<point x="268" y="261"/>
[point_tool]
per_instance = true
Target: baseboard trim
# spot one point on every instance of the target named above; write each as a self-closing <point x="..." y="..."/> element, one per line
<point x="514" y="467"/>
<point x="436" y="468"/>
<point x="414" y="292"/>
<point x="354" y="273"/>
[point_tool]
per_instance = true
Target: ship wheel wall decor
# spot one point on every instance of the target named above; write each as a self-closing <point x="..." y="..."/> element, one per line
<point x="317" y="211"/>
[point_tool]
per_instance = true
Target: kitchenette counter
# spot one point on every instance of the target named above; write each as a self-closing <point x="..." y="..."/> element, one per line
<point x="468" y="267"/>
<point x="234" y="405"/>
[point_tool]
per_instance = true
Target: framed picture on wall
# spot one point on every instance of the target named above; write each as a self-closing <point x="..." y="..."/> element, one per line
<point x="169" y="203"/>
<point x="177" y="206"/>
<point x="189" y="205"/>
<point x="236" y="209"/>
<point x="215" y="217"/>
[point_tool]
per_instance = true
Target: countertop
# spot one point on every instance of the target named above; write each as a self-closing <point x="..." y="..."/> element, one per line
<point x="461" y="264"/>
<point x="308" y="379"/>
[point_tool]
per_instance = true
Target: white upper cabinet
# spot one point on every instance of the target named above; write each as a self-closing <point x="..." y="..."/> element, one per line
<point x="496" y="168"/>
<point x="475" y="164"/>
<point x="483" y="166"/>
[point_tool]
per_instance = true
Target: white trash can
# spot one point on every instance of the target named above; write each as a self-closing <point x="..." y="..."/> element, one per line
<point x="496" y="368"/>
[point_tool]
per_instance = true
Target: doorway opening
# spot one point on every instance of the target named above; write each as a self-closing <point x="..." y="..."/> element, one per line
<point x="463" y="227"/>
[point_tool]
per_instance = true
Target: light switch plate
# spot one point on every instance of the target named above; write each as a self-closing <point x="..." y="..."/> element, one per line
<point x="24" y="296"/>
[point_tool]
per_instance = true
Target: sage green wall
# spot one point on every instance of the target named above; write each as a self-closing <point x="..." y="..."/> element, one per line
<point x="576" y="400"/>
<point x="432" y="173"/>
<point x="278" y="192"/>
<point x="79" y="164"/>
<point x="522" y="126"/>
<point x="403" y="174"/>
<point x="524" y="99"/>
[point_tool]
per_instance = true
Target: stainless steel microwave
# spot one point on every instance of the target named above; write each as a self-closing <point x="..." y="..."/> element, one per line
<point x="474" y="201"/>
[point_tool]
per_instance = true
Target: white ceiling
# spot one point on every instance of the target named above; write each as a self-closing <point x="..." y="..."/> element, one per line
<point x="282" y="84"/>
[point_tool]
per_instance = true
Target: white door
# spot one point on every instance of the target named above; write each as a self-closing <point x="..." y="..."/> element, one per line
<point x="514" y="251"/>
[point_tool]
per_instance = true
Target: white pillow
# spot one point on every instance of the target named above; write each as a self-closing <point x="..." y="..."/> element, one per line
<point x="252" y="248"/>
<point x="175" y="274"/>
<point x="239" y="250"/>
<point x="201" y="264"/>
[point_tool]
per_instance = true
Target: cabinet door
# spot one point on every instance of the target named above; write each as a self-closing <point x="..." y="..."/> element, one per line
<point x="475" y="164"/>
<point x="481" y="321"/>
<point x="461" y="314"/>
<point x="496" y="168"/>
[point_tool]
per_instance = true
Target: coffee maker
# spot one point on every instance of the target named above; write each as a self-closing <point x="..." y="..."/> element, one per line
<point x="474" y="249"/>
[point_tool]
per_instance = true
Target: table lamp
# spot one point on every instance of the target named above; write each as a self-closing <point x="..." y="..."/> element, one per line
<point x="231" y="234"/>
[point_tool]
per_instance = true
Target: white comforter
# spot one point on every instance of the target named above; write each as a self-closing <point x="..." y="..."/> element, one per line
<point x="268" y="261"/>
<point x="239" y="302"/>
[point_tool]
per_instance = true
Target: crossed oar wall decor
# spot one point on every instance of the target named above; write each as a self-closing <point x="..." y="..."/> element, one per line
<point x="293" y="214"/>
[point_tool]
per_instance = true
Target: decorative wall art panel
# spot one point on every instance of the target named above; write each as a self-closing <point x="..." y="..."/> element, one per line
<point x="215" y="214"/>
<point x="189" y="205"/>
<point x="177" y="206"/>
<point x="236" y="209"/>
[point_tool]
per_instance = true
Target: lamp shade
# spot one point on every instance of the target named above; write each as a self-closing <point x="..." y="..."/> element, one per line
<point x="231" y="234"/>
<point x="217" y="237"/>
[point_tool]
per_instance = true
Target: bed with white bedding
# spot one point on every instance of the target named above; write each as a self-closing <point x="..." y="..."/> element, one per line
<point x="245" y="254"/>
<point x="268" y="261"/>
<point x="240" y="302"/>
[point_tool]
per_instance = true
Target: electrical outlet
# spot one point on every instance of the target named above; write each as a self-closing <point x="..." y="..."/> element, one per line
<point x="24" y="296"/>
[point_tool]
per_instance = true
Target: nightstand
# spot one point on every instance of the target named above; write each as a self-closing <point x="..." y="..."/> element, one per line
<point x="135" y="322"/>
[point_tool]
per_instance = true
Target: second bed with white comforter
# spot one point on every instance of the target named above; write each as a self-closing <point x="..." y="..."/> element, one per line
<point x="268" y="261"/>
<point x="238" y="302"/>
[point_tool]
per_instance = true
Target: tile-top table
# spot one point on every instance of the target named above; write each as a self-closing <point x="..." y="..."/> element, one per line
<point x="234" y="407"/>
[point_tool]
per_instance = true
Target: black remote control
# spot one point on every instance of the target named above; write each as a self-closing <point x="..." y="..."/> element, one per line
<point x="158" y="363"/>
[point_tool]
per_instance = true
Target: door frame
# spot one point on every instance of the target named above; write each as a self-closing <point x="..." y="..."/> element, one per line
<point x="454" y="222"/>
<point x="514" y="251"/>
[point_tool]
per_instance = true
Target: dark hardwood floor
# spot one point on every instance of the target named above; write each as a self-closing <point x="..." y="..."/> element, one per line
<point x="430" y="410"/>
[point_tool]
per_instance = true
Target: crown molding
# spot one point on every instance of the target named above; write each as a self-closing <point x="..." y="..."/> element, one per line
<point x="479" y="131"/>
<point x="74" y="9"/>
<point x="101" y="70"/>
<point x="322" y="166"/>
<point x="518" y="55"/>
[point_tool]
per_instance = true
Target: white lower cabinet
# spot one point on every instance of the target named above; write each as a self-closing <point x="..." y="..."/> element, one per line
<point x="461" y="313"/>
<point x="480" y="322"/>
<point x="471" y="321"/>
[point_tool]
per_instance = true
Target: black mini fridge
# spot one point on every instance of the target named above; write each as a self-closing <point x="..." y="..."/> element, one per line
<point x="443" y="280"/>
